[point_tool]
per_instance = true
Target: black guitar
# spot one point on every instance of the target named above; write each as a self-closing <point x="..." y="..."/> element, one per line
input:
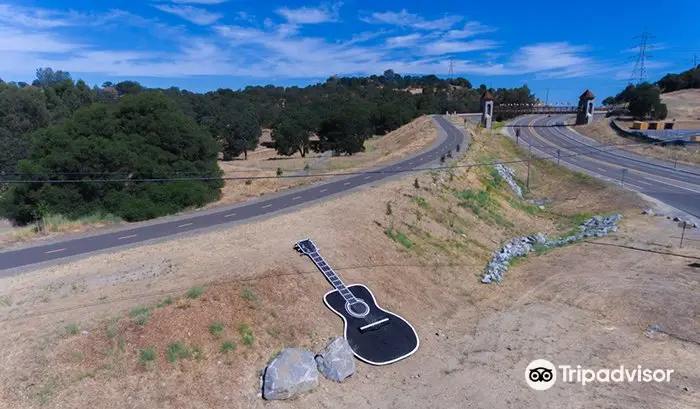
<point x="376" y="336"/>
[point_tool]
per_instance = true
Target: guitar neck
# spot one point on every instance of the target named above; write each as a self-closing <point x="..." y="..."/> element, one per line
<point x="332" y="277"/>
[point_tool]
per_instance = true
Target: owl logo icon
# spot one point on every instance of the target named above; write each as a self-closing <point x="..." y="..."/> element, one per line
<point x="540" y="374"/>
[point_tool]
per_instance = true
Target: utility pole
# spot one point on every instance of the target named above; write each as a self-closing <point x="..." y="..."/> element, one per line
<point x="529" y="159"/>
<point x="640" y="67"/>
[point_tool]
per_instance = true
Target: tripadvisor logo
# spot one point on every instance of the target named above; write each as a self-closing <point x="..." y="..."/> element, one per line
<point x="541" y="374"/>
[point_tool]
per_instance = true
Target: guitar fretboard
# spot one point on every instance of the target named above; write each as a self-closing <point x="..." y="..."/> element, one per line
<point x="332" y="277"/>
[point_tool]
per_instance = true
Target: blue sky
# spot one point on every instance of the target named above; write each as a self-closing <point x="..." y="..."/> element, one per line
<point x="207" y="44"/>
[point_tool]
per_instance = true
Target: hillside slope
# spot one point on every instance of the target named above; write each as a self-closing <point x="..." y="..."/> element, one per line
<point x="683" y="105"/>
<point x="85" y="325"/>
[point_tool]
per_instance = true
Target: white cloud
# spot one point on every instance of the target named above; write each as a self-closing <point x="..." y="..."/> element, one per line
<point x="451" y="47"/>
<point x="470" y="29"/>
<point x="32" y="17"/>
<point x="405" y="19"/>
<point x="31" y="37"/>
<point x="310" y="15"/>
<point x="194" y="15"/>
<point x="13" y="40"/>
<point x="403" y="41"/>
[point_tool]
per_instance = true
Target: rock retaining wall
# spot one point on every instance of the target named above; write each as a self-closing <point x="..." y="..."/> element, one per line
<point x="596" y="226"/>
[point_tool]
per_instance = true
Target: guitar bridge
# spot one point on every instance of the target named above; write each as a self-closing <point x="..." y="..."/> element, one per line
<point x="374" y="325"/>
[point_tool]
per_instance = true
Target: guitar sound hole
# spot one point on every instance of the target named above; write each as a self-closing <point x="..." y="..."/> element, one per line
<point x="359" y="309"/>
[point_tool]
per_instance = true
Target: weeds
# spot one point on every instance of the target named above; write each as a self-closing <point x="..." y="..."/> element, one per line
<point x="525" y="207"/>
<point x="146" y="355"/>
<point x="246" y="334"/>
<point x="216" y="329"/>
<point x="388" y="209"/>
<point x="399" y="237"/>
<point x="422" y="203"/>
<point x="416" y="184"/>
<point x="136" y="311"/>
<point x="166" y="301"/>
<point x="77" y="356"/>
<point x="177" y="350"/>
<point x="249" y="295"/>
<point x="195" y="292"/>
<point x="228" y="346"/>
<point x="140" y="315"/>
<point x="72" y="329"/>
<point x="280" y="172"/>
<point x="197" y="353"/>
<point x="249" y="182"/>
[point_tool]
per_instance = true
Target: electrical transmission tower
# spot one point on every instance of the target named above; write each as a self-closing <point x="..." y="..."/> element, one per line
<point x="640" y="66"/>
<point x="451" y="71"/>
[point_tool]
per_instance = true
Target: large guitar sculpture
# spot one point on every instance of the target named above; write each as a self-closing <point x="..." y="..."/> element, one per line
<point x="376" y="336"/>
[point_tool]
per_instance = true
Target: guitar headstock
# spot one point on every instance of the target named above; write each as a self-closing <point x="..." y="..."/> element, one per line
<point x="305" y="246"/>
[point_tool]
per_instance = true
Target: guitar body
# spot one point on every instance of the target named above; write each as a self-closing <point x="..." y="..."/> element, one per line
<point x="377" y="336"/>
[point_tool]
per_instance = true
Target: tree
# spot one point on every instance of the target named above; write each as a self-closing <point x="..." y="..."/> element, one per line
<point x="21" y="112"/>
<point x="128" y="88"/>
<point x="107" y="84"/>
<point x="345" y="127"/>
<point x="142" y="136"/>
<point x="47" y="76"/>
<point x="644" y="100"/>
<point x="609" y="101"/>
<point x="241" y="133"/>
<point x="292" y="132"/>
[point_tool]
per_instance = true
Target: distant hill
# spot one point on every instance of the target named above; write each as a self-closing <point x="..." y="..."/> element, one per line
<point x="683" y="105"/>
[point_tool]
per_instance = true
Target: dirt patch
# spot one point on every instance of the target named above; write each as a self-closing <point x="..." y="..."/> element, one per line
<point x="603" y="132"/>
<point x="587" y="304"/>
<point x="684" y="106"/>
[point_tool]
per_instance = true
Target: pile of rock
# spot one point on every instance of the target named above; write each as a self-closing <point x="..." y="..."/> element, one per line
<point x="507" y="174"/>
<point x="295" y="370"/>
<point x="500" y="262"/>
<point x="596" y="226"/>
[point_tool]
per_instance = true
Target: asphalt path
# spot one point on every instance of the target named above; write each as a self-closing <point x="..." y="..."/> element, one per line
<point x="17" y="260"/>
<point x="678" y="187"/>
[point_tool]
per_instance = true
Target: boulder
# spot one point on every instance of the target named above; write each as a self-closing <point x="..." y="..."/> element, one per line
<point x="336" y="362"/>
<point x="293" y="372"/>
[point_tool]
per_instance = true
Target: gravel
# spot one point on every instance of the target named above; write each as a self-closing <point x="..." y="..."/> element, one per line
<point x="596" y="226"/>
<point x="507" y="174"/>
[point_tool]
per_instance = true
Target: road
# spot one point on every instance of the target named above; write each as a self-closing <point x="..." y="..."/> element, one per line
<point x="679" y="187"/>
<point x="14" y="261"/>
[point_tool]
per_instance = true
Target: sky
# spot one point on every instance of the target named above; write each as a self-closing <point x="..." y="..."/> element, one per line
<point x="558" y="49"/>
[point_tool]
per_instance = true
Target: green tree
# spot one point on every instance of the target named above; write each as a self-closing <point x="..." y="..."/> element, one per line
<point x="293" y="130"/>
<point x="241" y="133"/>
<point x="609" y="101"/>
<point x="128" y="88"/>
<point x="21" y="111"/>
<point x="345" y="127"/>
<point x="142" y="136"/>
<point x="645" y="101"/>
<point x="46" y="77"/>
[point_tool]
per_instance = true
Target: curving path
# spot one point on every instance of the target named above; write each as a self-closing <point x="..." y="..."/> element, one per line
<point x="13" y="261"/>
<point x="679" y="187"/>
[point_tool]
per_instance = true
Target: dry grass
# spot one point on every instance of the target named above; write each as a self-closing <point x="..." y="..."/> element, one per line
<point x="408" y="139"/>
<point x="602" y="132"/>
<point x="488" y="332"/>
<point x="684" y="106"/>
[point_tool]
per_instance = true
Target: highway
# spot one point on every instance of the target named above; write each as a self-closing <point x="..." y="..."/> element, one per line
<point x="16" y="260"/>
<point x="679" y="187"/>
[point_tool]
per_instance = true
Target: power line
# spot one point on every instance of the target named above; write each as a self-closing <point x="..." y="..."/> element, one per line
<point x="640" y="65"/>
<point x="594" y="150"/>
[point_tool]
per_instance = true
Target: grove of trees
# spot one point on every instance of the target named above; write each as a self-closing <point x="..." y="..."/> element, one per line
<point x="61" y="129"/>
<point x="643" y="101"/>
<point x="685" y="80"/>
